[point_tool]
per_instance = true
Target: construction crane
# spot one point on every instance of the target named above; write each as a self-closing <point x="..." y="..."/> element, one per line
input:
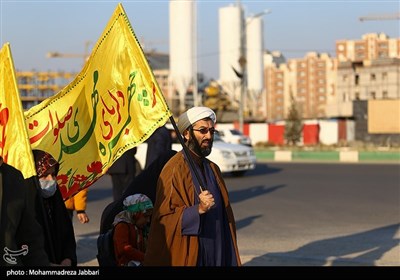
<point x="395" y="16"/>
<point x="84" y="56"/>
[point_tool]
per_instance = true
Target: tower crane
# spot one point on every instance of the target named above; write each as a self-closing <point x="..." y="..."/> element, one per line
<point x="395" y="16"/>
<point x="85" y="55"/>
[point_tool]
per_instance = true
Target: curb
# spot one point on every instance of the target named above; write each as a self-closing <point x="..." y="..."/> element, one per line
<point x="329" y="156"/>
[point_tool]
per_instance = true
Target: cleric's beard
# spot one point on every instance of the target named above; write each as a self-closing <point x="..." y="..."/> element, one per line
<point x="194" y="145"/>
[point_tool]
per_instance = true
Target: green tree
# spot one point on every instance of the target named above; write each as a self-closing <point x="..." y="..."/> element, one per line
<point x="294" y="126"/>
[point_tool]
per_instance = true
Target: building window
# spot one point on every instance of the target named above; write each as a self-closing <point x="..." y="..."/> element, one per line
<point x="373" y="77"/>
<point x="384" y="76"/>
<point x="385" y="94"/>
<point x="356" y="79"/>
<point x="344" y="78"/>
<point x="373" y="95"/>
<point x="382" y="54"/>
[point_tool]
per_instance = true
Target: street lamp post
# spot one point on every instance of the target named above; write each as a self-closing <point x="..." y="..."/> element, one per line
<point x="243" y="61"/>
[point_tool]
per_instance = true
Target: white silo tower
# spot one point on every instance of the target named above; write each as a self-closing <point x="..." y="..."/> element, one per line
<point x="255" y="65"/>
<point x="182" y="42"/>
<point x="230" y="36"/>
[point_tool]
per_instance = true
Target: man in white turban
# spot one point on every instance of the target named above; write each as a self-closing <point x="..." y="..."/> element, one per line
<point x="193" y="224"/>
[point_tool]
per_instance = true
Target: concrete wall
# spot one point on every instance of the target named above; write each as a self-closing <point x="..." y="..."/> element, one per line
<point x="329" y="130"/>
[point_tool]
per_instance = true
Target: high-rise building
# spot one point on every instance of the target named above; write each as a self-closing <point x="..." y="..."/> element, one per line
<point x="371" y="46"/>
<point x="325" y="87"/>
<point x="310" y="80"/>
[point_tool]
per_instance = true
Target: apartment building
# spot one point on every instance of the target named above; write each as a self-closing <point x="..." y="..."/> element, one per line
<point x="310" y="80"/>
<point x="325" y="87"/>
<point x="36" y="86"/>
<point x="371" y="46"/>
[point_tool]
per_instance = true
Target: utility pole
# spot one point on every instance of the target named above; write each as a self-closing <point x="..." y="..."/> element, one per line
<point x="242" y="63"/>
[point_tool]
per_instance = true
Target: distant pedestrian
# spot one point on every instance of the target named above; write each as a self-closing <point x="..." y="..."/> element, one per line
<point x="157" y="144"/>
<point x="122" y="172"/>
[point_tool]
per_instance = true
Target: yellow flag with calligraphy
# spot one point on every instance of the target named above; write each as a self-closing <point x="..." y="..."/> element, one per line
<point x="113" y="105"/>
<point x="14" y="142"/>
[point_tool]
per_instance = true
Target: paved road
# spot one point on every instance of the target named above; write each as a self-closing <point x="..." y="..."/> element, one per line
<point x="298" y="214"/>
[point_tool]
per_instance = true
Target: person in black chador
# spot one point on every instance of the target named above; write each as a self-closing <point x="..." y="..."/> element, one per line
<point x="61" y="248"/>
<point x="21" y="235"/>
<point x="122" y="172"/>
<point x="157" y="144"/>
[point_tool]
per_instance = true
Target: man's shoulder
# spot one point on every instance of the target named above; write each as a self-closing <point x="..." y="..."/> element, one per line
<point x="175" y="159"/>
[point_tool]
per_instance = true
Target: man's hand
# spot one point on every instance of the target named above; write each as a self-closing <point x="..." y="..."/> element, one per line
<point x="206" y="201"/>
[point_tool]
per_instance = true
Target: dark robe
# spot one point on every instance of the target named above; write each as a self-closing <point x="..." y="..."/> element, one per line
<point x="170" y="243"/>
<point x="62" y="243"/>
<point x="215" y="243"/>
<point x="18" y="220"/>
<point x="145" y="183"/>
<point x="122" y="172"/>
<point x="159" y="142"/>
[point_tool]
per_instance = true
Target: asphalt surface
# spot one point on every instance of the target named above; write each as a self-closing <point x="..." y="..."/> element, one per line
<point x="305" y="216"/>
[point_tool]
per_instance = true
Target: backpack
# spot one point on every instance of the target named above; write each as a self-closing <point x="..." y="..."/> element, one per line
<point x="105" y="249"/>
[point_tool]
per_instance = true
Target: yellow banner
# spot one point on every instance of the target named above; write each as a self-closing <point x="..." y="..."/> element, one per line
<point x="114" y="104"/>
<point x="14" y="142"/>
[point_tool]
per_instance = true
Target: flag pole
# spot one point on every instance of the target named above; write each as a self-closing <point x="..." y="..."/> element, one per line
<point x="187" y="153"/>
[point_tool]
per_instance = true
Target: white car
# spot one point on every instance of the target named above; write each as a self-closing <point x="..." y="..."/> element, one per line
<point x="234" y="136"/>
<point x="231" y="158"/>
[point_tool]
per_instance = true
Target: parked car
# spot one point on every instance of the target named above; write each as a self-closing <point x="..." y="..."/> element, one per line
<point x="231" y="158"/>
<point x="234" y="136"/>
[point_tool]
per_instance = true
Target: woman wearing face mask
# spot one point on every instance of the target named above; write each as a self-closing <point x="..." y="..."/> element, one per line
<point x="61" y="248"/>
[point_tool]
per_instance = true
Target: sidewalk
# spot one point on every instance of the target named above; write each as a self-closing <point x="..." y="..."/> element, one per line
<point x="328" y="156"/>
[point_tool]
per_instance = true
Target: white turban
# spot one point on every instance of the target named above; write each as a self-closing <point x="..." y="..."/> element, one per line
<point x="193" y="115"/>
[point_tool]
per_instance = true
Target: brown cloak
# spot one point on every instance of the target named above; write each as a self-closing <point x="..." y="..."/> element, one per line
<point x="175" y="191"/>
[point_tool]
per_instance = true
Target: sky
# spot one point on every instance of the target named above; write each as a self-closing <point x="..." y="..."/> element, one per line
<point x="34" y="28"/>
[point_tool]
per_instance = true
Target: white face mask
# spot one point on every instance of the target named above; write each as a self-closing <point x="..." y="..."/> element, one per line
<point x="49" y="187"/>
